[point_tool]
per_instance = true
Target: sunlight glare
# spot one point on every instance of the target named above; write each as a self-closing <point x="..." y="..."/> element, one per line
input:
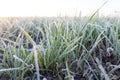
<point x="54" y="8"/>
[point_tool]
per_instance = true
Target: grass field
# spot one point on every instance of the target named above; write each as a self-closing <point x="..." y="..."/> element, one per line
<point x="60" y="48"/>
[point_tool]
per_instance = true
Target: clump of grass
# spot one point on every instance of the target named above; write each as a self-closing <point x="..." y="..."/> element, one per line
<point x="62" y="48"/>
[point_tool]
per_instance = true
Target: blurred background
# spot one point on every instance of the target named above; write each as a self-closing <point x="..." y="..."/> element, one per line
<point x="54" y="8"/>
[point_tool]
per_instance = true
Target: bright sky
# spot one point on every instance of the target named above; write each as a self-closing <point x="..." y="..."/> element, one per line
<point x="56" y="7"/>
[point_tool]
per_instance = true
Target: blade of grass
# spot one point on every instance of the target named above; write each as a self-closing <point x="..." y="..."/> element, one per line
<point x="35" y="52"/>
<point x="69" y="76"/>
<point x="69" y="48"/>
<point x="10" y="69"/>
<point x="36" y="62"/>
<point x="93" y="15"/>
<point x="102" y="69"/>
<point x="90" y="51"/>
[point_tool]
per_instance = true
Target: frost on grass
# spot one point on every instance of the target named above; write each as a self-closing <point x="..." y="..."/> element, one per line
<point x="65" y="50"/>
